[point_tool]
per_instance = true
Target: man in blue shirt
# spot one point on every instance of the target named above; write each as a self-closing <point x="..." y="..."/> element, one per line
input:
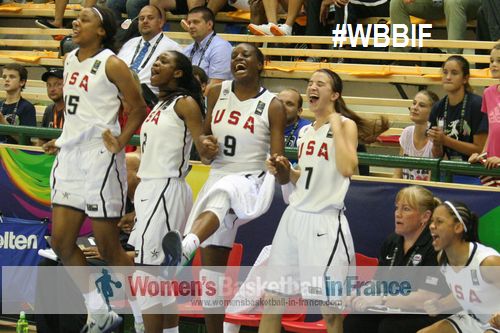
<point x="209" y="51"/>
<point x="292" y="101"/>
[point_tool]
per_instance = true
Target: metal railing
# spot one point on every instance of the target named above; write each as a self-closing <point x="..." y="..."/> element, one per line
<point x="437" y="166"/>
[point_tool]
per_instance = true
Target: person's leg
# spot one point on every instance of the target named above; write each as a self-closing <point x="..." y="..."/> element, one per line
<point x="313" y="27"/>
<point x="294" y="7"/>
<point x="60" y="7"/>
<point x="400" y="13"/>
<point x="457" y="12"/>
<point x="66" y="224"/>
<point x="406" y="323"/>
<point x="117" y="7"/>
<point x="195" y="3"/>
<point x="153" y="322"/>
<point x="134" y="7"/>
<point x="270" y="323"/>
<point x="442" y="326"/>
<point x="271" y="8"/>
<point x="357" y="323"/>
<point x="107" y="237"/>
<point x="333" y="322"/>
<point x="215" y="256"/>
<point x="216" y="5"/>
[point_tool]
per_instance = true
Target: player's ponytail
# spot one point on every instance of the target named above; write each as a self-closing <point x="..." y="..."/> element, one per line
<point x="463" y="215"/>
<point x="368" y="130"/>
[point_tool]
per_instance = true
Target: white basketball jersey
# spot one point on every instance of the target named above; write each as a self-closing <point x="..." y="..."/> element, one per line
<point x="165" y="144"/>
<point x="475" y="295"/>
<point x="91" y="100"/>
<point x="320" y="186"/>
<point x="242" y="130"/>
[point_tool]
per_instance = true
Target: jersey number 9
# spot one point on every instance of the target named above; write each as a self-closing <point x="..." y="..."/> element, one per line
<point x="229" y="145"/>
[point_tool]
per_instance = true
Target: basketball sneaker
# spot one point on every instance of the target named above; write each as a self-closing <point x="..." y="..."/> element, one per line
<point x="102" y="323"/>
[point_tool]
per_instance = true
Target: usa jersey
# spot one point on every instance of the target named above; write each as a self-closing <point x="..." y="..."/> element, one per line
<point x="165" y="144"/>
<point x="320" y="186"/>
<point x="475" y="295"/>
<point x="242" y="130"/>
<point x="91" y="100"/>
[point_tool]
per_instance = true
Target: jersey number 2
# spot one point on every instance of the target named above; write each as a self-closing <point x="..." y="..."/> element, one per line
<point x="71" y="103"/>
<point x="229" y="145"/>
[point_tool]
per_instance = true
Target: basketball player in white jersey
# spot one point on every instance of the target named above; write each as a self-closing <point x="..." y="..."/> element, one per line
<point x="163" y="199"/>
<point x="314" y="230"/>
<point x="88" y="176"/>
<point x="470" y="268"/>
<point x="244" y="124"/>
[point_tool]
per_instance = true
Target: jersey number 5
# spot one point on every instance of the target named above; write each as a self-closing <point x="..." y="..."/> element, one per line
<point x="71" y="103"/>
<point x="229" y="145"/>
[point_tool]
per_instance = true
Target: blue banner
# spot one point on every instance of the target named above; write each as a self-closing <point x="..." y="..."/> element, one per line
<point x="20" y="241"/>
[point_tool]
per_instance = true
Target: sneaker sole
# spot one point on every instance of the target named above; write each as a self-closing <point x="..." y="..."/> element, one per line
<point x="277" y="31"/>
<point x="172" y="245"/>
<point x="45" y="26"/>
<point x="256" y="32"/>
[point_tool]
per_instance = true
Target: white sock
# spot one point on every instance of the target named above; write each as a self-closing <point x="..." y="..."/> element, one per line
<point x="231" y="328"/>
<point x="171" y="330"/>
<point x="136" y="311"/>
<point x="190" y="244"/>
<point x="94" y="302"/>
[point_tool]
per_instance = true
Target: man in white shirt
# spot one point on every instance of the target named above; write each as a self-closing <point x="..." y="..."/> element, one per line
<point x="140" y="53"/>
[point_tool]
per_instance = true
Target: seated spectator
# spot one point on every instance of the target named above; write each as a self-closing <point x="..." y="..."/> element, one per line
<point x="131" y="7"/>
<point x="209" y="51"/>
<point x="456" y="13"/>
<point x="292" y="101"/>
<point x="53" y="116"/>
<point x="141" y="52"/>
<point x="414" y="140"/>
<point x="202" y="77"/>
<point x="409" y="245"/>
<point x="490" y="156"/>
<point x="458" y="127"/>
<point x="15" y="110"/>
<point x="272" y="27"/>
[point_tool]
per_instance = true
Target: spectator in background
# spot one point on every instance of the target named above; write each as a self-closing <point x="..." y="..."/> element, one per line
<point x="141" y="52"/>
<point x="491" y="107"/>
<point x="131" y="7"/>
<point x="456" y="13"/>
<point x="202" y="77"/>
<point x="209" y="51"/>
<point x="272" y="27"/>
<point x="414" y="140"/>
<point x="458" y="127"/>
<point x="15" y="110"/>
<point x="53" y="116"/>
<point x="292" y="101"/>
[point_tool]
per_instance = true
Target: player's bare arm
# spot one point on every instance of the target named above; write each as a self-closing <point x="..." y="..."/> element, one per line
<point x="190" y="112"/>
<point x="277" y="123"/>
<point x="490" y="270"/>
<point x="118" y="73"/>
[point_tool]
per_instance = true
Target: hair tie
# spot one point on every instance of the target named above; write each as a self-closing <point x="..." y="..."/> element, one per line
<point x="98" y="13"/>
<point x="455" y="211"/>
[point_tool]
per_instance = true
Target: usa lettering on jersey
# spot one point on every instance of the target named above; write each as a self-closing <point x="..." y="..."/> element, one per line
<point x="470" y="296"/>
<point x="233" y="118"/>
<point x="320" y="149"/>
<point x="75" y="80"/>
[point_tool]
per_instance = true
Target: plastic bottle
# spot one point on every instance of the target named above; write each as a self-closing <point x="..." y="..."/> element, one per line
<point x="22" y="324"/>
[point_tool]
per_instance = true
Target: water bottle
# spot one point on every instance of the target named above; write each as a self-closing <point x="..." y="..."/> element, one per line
<point x="22" y="324"/>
